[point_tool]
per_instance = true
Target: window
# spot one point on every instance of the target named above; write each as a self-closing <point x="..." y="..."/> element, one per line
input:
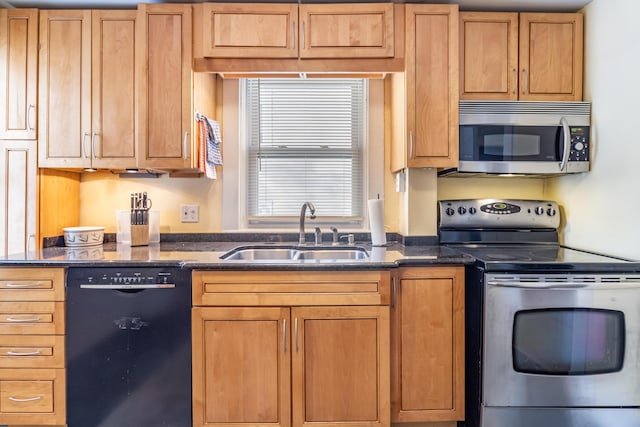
<point x="305" y="141"/>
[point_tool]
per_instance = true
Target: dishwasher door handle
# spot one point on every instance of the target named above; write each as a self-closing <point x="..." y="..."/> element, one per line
<point x="128" y="286"/>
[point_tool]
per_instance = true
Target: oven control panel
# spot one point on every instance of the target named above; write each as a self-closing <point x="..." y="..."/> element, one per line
<point x="498" y="213"/>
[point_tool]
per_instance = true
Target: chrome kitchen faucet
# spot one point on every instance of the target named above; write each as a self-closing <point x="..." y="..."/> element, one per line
<point x="312" y="211"/>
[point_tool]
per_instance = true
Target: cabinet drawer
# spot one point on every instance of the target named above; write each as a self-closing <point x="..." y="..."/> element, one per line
<point x="26" y="396"/>
<point x="31" y="351"/>
<point x="31" y="284"/>
<point x="32" y="318"/>
<point x="32" y="396"/>
<point x="259" y="288"/>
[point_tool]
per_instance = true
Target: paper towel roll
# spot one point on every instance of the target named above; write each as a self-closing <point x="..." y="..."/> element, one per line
<point x="376" y="222"/>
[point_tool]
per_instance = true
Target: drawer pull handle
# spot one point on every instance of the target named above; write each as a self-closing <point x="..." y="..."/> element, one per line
<point x="23" y="320"/>
<point x="28" y="399"/>
<point x="25" y="353"/>
<point x="22" y="285"/>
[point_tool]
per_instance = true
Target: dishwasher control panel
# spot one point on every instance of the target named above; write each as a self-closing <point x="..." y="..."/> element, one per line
<point x="498" y="213"/>
<point x="126" y="278"/>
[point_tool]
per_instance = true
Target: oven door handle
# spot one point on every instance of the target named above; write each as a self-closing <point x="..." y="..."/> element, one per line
<point x="547" y="286"/>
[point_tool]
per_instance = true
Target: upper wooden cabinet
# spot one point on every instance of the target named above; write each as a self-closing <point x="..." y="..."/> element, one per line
<point x="18" y="73"/>
<point x="165" y="86"/>
<point x="363" y="30"/>
<point x="425" y="98"/>
<point x="526" y="56"/>
<point x="236" y="30"/>
<point x="428" y="345"/>
<point x="87" y="89"/>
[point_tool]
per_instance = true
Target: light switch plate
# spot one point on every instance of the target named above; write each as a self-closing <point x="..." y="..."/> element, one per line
<point x="189" y="213"/>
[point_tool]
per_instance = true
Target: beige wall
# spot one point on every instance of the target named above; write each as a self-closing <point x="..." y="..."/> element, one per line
<point x="602" y="207"/>
<point x="102" y="193"/>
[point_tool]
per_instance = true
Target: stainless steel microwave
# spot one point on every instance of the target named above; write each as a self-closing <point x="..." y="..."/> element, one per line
<point x="522" y="137"/>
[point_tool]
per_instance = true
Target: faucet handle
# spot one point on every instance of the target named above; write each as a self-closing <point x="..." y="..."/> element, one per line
<point x="318" y="236"/>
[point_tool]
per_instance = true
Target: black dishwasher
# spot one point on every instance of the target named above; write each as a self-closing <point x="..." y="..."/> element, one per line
<point x="128" y="347"/>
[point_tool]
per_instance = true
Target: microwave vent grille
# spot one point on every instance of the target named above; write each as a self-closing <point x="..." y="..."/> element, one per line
<point x="526" y="107"/>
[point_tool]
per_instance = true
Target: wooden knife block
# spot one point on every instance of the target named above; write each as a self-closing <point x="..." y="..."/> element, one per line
<point x="140" y="235"/>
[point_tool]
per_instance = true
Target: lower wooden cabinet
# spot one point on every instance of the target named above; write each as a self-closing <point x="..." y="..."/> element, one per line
<point x="308" y="365"/>
<point x="32" y="350"/>
<point x="427" y="324"/>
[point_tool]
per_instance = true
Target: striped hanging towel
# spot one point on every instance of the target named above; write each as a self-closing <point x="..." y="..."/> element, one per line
<point x="209" y="141"/>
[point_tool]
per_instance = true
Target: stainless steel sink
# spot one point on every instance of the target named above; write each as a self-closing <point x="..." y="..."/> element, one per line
<point x="333" y="254"/>
<point x="295" y="253"/>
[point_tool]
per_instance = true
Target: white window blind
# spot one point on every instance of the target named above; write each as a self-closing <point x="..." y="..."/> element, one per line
<point x="306" y="142"/>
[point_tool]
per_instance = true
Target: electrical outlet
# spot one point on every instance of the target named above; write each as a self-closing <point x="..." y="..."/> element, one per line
<point x="189" y="213"/>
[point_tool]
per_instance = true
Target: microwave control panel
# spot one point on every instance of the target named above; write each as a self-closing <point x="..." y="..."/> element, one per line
<point x="498" y="213"/>
<point x="579" y="151"/>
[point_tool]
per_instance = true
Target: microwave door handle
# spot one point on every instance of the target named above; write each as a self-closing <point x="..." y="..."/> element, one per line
<point x="567" y="143"/>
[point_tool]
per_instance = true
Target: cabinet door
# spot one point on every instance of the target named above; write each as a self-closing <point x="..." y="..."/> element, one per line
<point x="18" y="73"/>
<point x="113" y="113"/>
<point x="488" y="55"/>
<point x="428" y="345"/>
<point x="551" y="46"/>
<point x="164" y="78"/>
<point x="17" y="196"/>
<point x="241" y="367"/>
<point x="340" y="366"/>
<point x="432" y="85"/>
<point x="273" y="30"/>
<point x="65" y="89"/>
<point x="346" y="31"/>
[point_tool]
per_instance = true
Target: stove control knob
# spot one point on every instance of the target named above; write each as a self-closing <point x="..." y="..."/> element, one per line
<point x="450" y="212"/>
<point x="539" y="210"/>
<point x="551" y="212"/>
<point x="472" y="211"/>
<point x="462" y="210"/>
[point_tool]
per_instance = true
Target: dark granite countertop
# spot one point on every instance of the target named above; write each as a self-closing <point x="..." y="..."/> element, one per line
<point x="206" y="255"/>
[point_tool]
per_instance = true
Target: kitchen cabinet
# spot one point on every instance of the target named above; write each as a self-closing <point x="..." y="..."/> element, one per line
<point x="18" y="215"/>
<point x="87" y="89"/>
<point x="18" y="73"/>
<point x="425" y="97"/>
<point x="165" y="91"/>
<point x="427" y="343"/>
<point x="521" y="56"/>
<point x="305" y="348"/>
<point x="236" y="30"/>
<point x="32" y="374"/>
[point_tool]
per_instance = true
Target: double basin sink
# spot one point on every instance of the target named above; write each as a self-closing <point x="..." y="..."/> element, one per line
<point x="296" y="253"/>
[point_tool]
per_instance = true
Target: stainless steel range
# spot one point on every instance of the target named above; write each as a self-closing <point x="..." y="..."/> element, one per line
<point x="553" y="333"/>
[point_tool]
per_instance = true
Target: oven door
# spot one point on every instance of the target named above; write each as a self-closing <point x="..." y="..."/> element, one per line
<point x="558" y="342"/>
